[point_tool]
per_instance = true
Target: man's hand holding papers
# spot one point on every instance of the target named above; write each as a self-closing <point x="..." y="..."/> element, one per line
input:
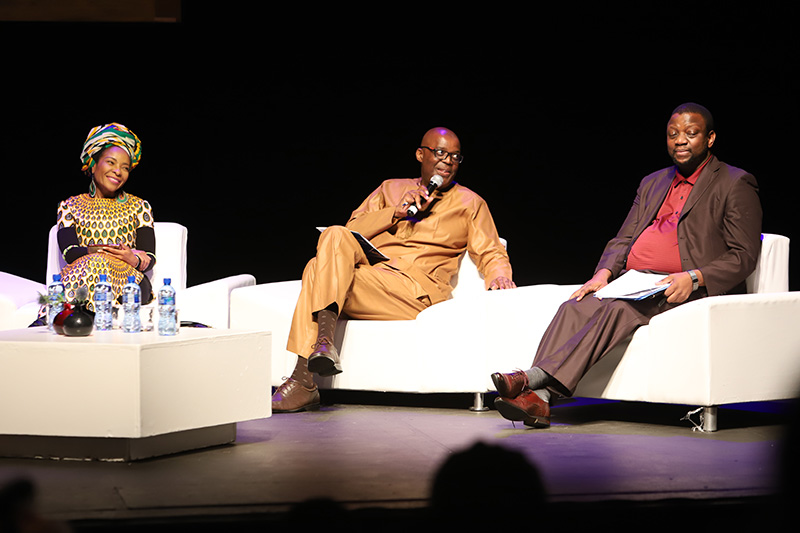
<point x="633" y="285"/>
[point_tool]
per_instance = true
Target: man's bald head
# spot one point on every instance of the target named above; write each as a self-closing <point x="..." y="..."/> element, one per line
<point x="432" y="136"/>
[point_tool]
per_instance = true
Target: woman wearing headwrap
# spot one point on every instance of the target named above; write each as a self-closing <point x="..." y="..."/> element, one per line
<point x="107" y="230"/>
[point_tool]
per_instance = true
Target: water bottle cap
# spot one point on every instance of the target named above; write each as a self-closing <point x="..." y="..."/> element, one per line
<point x="167" y="281"/>
<point x="103" y="277"/>
<point x="56" y="277"/>
<point x="131" y="279"/>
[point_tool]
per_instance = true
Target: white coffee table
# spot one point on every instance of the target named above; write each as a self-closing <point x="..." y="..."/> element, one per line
<point x="124" y="396"/>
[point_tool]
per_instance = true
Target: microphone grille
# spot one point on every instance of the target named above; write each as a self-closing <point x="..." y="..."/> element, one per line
<point x="437" y="180"/>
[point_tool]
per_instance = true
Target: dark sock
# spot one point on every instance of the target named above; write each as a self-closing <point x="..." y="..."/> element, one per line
<point x="302" y="374"/>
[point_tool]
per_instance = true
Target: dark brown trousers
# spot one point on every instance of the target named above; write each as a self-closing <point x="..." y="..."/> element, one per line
<point x="581" y="333"/>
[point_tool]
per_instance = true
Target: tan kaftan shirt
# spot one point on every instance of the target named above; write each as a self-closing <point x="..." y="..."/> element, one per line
<point x="428" y="249"/>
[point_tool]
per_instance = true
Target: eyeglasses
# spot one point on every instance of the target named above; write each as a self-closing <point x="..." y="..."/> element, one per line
<point x="442" y="154"/>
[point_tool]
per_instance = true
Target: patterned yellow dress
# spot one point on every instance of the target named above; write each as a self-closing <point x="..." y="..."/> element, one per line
<point x="102" y="221"/>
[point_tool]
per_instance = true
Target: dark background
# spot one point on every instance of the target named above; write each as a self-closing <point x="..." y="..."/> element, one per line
<point x="260" y="123"/>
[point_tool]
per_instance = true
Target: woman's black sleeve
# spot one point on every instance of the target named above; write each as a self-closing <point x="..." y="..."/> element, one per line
<point x="146" y="241"/>
<point x="68" y="244"/>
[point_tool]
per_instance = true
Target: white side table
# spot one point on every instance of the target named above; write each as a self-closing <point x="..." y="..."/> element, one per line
<point x="124" y="396"/>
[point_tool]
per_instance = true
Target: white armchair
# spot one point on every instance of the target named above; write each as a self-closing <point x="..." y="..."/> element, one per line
<point x="207" y="303"/>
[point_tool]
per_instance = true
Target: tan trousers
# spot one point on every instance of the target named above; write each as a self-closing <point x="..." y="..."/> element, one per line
<point x="340" y="274"/>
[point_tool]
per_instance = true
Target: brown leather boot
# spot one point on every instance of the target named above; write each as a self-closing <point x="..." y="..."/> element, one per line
<point x="297" y="393"/>
<point x="325" y="359"/>
<point x="527" y="408"/>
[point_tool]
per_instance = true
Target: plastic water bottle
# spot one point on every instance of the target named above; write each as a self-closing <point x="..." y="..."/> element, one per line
<point x="131" y="304"/>
<point x="102" y="304"/>
<point x="167" y="315"/>
<point x="55" y="299"/>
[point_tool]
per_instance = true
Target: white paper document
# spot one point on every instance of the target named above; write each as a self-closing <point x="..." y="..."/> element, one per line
<point x="633" y="285"/>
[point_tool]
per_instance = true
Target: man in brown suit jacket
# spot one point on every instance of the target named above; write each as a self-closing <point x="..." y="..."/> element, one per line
<point x="698" y="222"/>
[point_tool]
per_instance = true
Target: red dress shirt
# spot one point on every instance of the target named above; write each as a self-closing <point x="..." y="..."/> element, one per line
<point x="656" y="249"/>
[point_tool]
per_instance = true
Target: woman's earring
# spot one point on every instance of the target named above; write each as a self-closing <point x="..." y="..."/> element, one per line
<point x="92" y="189"/>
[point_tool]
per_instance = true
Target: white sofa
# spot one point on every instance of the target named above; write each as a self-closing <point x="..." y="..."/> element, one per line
<point x="436" y="352"/>
<point x="454" y="346"/>
<point x="207" y="303"/>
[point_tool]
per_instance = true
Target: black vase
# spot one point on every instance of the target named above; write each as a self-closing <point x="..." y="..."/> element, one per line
<point x="79" y="323"/>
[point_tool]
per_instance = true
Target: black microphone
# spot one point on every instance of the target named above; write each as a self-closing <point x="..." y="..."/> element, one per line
<point x="434" y="183"/>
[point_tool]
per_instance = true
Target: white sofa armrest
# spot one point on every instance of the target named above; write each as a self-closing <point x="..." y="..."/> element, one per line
<point x="268" y="307"/>
<point x="18" y="301"/>
<point x="772" y="271"/>
<point x="13" y="317"/>
<point x="20" y="291"/>
<point x="726" y="349"/>
<point x="209" y="303"/>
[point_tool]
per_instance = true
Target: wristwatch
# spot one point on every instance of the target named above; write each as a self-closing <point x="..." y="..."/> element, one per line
<point x="695" y="281"/>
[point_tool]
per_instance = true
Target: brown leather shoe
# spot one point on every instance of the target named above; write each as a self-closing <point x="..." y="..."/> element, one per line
<point x="527" y="408"/>
<point x="510" y="385"/>
<point x="293" y="397"/>
<point x="325" y="359"/>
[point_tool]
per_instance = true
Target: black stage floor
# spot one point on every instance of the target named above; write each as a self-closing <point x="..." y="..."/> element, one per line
<point x="370" y="459"/>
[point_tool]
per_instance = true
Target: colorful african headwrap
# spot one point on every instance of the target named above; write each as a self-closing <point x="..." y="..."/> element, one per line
<point x="113" y="134"/>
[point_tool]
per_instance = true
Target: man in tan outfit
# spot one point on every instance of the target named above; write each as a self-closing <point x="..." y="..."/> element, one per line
<point x="422" y="251"/>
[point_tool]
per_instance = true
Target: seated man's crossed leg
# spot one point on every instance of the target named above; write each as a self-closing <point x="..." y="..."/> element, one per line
<point x="339" y="281"/>
<point x="580" y="334"/>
